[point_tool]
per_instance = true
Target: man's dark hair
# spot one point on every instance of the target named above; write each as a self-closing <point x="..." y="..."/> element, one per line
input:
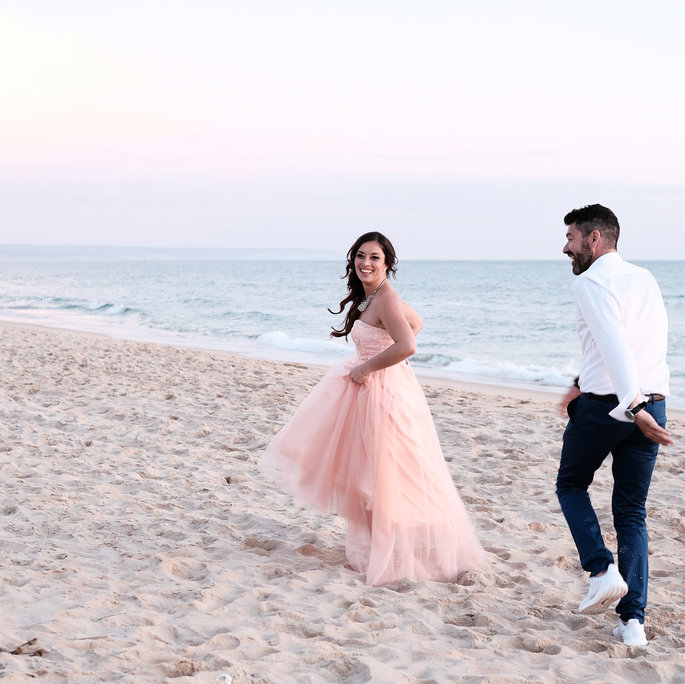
<point x="595" y="217"/>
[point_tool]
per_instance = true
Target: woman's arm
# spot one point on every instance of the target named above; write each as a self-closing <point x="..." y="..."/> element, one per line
<point x="414" y="320"/>
<point x="391" y="314"/>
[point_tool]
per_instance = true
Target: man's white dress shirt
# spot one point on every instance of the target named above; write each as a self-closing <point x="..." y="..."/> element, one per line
<point x="623" y="332"/>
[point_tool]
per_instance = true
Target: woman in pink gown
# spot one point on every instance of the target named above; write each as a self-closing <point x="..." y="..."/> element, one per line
<point x="363" y="444"/>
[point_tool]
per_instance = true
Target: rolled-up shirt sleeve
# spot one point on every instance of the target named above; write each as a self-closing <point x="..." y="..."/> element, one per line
<point x="600" y="310"/>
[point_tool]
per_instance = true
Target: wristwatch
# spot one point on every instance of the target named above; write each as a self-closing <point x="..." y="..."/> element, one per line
<point x="631" y="413"/>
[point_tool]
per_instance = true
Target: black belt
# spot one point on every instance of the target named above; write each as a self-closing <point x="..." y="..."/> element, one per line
<point x="613" y="399"/>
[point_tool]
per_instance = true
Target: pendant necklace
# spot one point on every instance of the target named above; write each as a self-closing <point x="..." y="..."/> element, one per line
<point x="367" y="300"/>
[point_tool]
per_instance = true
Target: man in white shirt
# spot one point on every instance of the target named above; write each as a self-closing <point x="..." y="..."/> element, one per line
<point x="617" y="406"/>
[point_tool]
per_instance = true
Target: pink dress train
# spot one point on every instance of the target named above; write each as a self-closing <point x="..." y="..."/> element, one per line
<point x="370" y="453"/>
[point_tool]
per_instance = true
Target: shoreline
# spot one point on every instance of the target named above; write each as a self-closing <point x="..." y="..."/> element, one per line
<point x="142" y="543"/>
<point x="427" y="377"/>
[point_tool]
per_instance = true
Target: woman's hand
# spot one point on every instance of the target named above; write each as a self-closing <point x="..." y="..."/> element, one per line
<point x="358" y="374"/>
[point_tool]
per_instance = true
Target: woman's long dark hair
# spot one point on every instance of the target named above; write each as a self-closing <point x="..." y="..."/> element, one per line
<point x="355" y="289"/>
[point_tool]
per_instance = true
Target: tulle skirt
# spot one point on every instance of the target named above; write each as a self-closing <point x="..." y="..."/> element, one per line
<point x="370" y="453"/>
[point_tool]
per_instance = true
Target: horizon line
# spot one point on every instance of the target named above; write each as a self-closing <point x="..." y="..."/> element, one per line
<point x="239" y="253"/>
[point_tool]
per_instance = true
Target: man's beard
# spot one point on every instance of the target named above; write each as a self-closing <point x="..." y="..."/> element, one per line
<point x="582" y="260"/>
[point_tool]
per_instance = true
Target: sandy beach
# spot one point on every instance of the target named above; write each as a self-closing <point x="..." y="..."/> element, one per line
<point x="141" y="544"/>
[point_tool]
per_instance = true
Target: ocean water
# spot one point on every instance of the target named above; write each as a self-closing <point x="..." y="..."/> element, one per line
<point x="499" y="322"/>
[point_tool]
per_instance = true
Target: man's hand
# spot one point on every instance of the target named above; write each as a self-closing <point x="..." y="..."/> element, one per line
<point x="652" y="430"/>
<point x="572" y="393"/>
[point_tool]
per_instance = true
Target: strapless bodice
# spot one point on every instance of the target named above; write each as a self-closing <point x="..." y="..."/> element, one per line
<point x="369" y="340"/>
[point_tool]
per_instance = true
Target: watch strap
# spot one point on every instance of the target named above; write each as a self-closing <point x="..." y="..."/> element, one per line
<point x="631" y="413"/>
<point x="636" y="409"/>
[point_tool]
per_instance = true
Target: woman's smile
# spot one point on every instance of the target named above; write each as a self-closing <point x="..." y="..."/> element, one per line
<point x="370" y="264"/>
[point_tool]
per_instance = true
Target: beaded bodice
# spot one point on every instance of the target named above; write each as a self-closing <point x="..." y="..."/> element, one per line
<point x="369" y="340"/>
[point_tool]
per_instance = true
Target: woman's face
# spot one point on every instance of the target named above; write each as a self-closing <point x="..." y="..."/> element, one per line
<point x="369" y="263"/>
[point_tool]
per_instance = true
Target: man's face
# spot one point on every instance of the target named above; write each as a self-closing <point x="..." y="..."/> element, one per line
<point x="578" y="249"/>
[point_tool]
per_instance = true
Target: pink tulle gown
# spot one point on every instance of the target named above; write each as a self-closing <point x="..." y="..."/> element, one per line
<point x="370" y="453"/>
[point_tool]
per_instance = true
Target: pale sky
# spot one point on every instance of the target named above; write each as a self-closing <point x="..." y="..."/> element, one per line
<point x="460" y="129"/>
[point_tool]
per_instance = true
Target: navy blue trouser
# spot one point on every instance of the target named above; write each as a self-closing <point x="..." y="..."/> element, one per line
<point x="590" y="436"/>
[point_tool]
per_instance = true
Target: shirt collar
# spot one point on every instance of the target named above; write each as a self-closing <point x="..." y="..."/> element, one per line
<point x="606" y="260"/>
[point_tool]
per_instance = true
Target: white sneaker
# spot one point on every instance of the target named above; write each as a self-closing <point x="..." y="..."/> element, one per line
<point x="603" y="591"/>
<point x="632" y="632"/>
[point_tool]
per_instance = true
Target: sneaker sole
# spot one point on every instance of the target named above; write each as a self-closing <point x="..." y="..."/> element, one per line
<point x="641" y="643"/>
<point x="603" y="603"/>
